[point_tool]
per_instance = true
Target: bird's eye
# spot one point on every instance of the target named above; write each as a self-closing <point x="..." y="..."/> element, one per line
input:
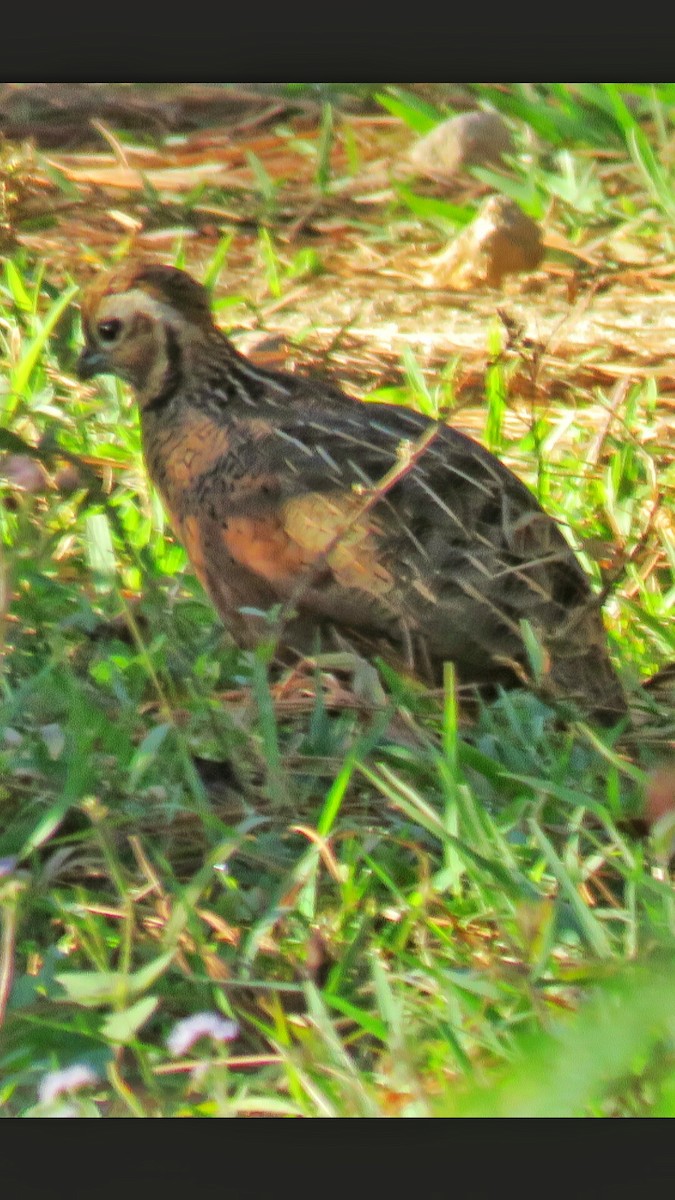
<point x="109" y="331"/>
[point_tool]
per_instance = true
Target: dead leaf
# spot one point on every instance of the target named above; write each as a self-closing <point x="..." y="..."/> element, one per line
<point x="111" y="173"/>
<point x="501" y="240"/>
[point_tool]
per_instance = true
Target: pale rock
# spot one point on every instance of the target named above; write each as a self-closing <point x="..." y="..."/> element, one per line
<point x="471" y="139"/>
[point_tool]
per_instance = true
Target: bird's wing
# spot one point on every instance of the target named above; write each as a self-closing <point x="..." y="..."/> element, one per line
<point x="445" y="563"/>
<point x="457" y="535"/>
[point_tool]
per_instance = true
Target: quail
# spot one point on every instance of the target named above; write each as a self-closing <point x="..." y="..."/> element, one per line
<point x="359" y="524"/>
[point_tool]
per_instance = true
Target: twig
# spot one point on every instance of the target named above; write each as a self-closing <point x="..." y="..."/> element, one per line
<point x="10" y="907"/>
<point x="614" y="573"/>
<point x="619" y="395"/>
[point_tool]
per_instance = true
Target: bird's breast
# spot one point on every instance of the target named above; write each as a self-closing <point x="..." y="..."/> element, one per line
<point x="179" y="452"/>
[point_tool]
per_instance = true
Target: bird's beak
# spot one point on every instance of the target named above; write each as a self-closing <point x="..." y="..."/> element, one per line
<point x="91" y="362"/>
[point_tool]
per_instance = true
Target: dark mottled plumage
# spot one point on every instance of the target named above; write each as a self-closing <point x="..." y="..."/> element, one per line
<point x="268" y="478"/>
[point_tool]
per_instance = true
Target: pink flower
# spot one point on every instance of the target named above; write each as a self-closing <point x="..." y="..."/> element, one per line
<point x="69" y="1079"/>
<point x="205" y="1024"/>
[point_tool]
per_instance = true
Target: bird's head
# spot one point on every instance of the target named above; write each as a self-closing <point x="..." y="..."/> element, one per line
<point x="137" y="320"/>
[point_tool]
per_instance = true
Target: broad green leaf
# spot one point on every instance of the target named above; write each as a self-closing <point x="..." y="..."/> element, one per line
<point x="123" y="1026"/>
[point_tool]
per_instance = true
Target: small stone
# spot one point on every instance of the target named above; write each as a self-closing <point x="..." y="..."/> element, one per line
<point x="24" y="473"/>
<point x="660" y="793"/>
<point x="68" y="479"/>
<point x="471" y="139"/>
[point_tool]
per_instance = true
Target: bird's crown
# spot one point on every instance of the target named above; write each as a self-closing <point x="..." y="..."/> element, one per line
<point x="165" y="284"/>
